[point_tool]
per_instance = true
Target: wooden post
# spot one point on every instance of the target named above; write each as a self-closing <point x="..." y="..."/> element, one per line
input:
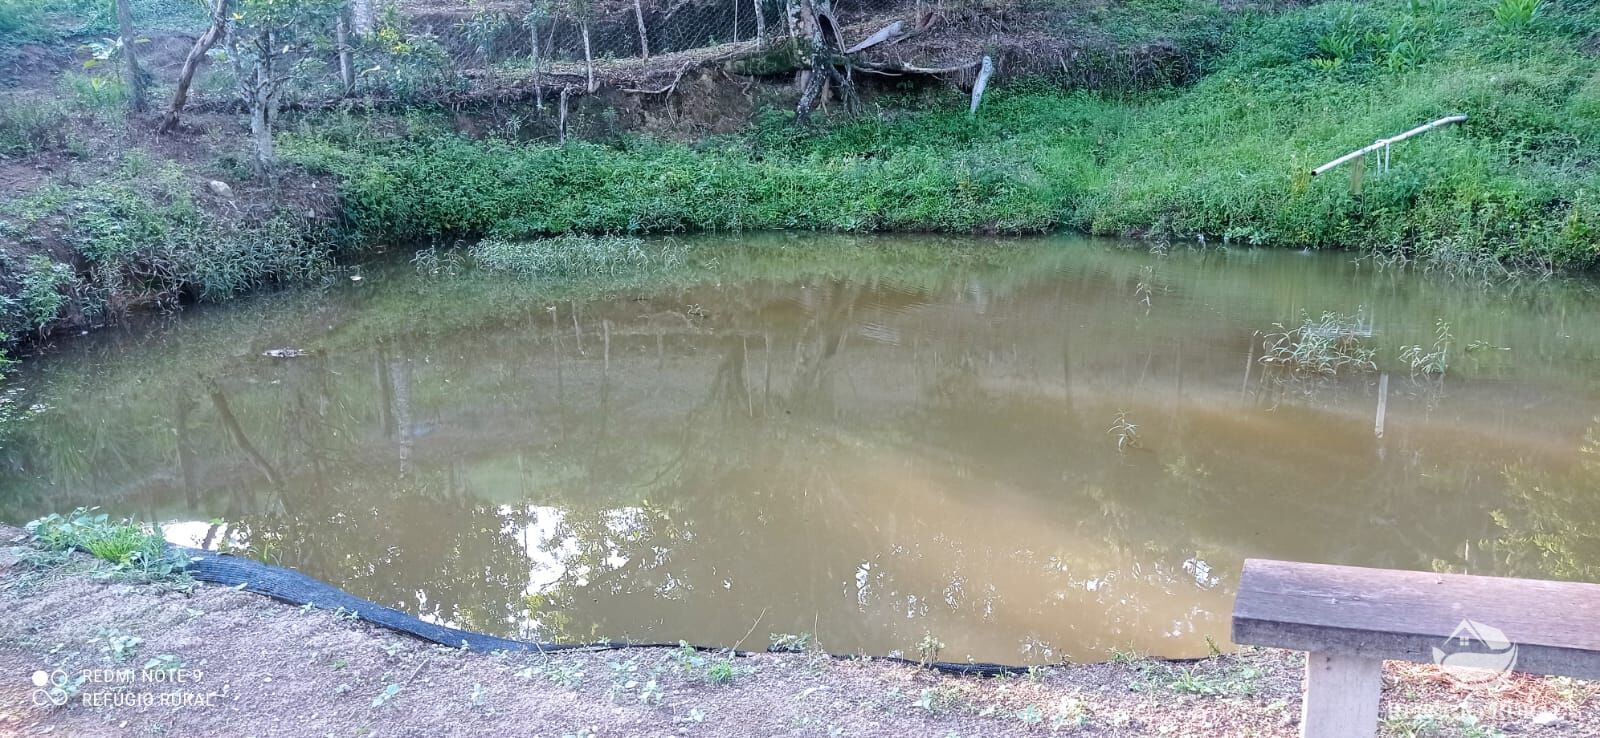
<point x="561" y="125"/>
<point x="983" y="83"/>
<point x="1383" y="405"/>
<point x="1341" y="699"/>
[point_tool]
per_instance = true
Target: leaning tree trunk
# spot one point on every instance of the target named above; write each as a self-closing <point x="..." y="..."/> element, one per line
<point x="202" y="45"/>
<point x="761" y="22"/>
<point x="347" y="65"/>
<point x="131" y="74"/>
<point x="644" y="38"/>
<point x="588" y="55"/>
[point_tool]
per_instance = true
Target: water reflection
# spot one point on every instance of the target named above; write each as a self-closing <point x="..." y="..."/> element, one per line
<point x="870" y="452"/>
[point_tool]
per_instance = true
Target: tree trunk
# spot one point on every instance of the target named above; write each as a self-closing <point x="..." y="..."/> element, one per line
<point x="131" y="74"/>
<point x="812" y="80"/>
<point x="761" y="22"/>
<point x="588" y="55"/>
<point x="262" y="99"/>
<point x="791" y="11"/>
<point x="644" y="38"/>
<point x="362" y="18"/>
<point x="261" y="133"/>
<point x="735" y="20"/>
<point x="202" y="45"/>
<point x="538" y="82"/>
<point x="347" y="66"/>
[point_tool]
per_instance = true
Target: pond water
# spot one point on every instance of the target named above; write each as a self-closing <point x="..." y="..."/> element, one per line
<point x="1030" y="450"/>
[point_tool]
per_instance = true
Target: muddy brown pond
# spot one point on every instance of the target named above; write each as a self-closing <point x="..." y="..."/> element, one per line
<point x="1029" y="451"/>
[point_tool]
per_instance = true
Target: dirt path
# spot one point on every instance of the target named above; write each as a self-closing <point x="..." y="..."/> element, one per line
<point x="233" y="663"/>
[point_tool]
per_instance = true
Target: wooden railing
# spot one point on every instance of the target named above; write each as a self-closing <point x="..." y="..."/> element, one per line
<point x="1351" y="619"/>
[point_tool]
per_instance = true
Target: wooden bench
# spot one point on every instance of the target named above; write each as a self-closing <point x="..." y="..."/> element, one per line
<point x="1351" y="619"/>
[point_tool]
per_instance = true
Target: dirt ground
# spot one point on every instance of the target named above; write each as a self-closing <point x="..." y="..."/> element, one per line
<point x="142" y="658"/>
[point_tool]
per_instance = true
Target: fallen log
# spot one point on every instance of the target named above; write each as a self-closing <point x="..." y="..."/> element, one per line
<point x="892" y="30"/>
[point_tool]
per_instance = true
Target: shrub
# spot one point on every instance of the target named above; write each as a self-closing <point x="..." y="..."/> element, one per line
<point x="29" y="125"/>
<point x="44" y="289"/>
<point x="95" y="91"/>
<point x="1516" y="15"/>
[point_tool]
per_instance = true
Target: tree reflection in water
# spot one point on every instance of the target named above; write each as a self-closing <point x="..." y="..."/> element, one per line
<point x="869" y="456"/>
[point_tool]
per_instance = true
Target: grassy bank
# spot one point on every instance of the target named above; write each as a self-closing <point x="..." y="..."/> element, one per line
<point x="1226" y="159"/>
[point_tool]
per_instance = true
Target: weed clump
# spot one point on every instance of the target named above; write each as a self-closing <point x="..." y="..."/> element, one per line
<point x="130" y="547"/>
<point x="1326" y="345"/>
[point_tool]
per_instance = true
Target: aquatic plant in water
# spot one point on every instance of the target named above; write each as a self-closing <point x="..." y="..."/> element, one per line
<point x="1324" y="346"/>
<point x="577" y="256"/>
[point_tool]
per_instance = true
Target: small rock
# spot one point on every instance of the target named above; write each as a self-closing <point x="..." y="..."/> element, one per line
<point x="1546" y="718"/>
<point x="220" y="188"/>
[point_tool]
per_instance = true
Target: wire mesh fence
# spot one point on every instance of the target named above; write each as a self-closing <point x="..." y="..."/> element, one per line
<point x="584" y="30"/>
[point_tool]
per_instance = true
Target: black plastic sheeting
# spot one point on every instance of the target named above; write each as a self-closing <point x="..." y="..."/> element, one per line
<point x="287" y="585"/>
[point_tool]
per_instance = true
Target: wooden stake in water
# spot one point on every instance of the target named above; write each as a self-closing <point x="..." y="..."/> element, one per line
<point x="1383" y="405"/>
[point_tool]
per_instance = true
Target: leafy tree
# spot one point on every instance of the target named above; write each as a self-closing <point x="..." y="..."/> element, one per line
<point x="267" y="44"/>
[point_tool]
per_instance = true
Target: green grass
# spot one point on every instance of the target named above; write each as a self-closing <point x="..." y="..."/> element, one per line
<point x="1517" y="181"/>
<point x="1011" y="171"/>
<point x="1227" y="158"/>
<point x="128" y="546"/>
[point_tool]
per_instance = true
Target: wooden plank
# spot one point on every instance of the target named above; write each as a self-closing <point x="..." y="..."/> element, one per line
<point x="1404" y="615"/>
<point x="1341" y="696"/>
